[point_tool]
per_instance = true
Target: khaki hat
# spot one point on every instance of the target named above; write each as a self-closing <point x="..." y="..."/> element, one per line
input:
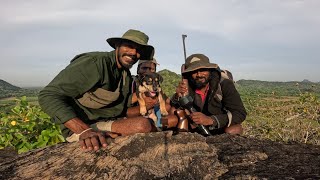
<point x="198" y="61"/>
<point x="136" y="37"/>
<point x="153" y="61"/>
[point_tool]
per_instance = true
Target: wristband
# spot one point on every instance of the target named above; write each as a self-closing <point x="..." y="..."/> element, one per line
<point x="76" y="137"/>
<point x="215" y="124"/>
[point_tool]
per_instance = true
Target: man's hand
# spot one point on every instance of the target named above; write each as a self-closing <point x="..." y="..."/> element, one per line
<point x="91" y="140"/>
<point x="150" y="102"/>
<point x="135" y="111"/>
<point x="200" y="118"/>
<point x="182" y="88"/>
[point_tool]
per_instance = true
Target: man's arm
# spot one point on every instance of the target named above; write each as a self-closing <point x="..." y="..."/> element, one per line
<point x="76" y="125"/>
<point x="232" y="102"/>
<point x="135" y="110"/>
<point x="89" y="140"/>
<point x="57" y="97"/>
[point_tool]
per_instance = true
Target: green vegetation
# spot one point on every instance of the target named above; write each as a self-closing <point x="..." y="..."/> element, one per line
<point x="170" y="81"/>
<point x="279" y="111"/>
<point x="26" y="127"/>
<point x="8" y="90"/>
<point x="293" y="88"/>
<point x="282" y="118"/>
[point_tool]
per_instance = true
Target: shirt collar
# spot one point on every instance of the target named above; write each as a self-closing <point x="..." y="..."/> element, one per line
<point x="203" y="95"/>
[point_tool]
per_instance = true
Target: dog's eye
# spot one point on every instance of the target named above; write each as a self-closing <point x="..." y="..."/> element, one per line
<point x="149" y="81"/>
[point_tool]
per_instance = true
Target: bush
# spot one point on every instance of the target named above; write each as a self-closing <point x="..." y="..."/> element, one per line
<point x="27" y="127"/>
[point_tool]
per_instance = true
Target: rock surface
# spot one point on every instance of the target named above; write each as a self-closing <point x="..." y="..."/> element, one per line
<point x="164" y="156"/>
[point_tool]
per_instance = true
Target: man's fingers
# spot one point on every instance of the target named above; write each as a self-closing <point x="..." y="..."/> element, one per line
<point x="82" y="144"/>
<point x="102" y="140"/>
<point x="88" y="144"/>
<point x="92" y="141"/>
<point x="95" y="143"/>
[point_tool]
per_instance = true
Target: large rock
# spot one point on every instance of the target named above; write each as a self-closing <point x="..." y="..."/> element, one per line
<point x="164" y="156"/>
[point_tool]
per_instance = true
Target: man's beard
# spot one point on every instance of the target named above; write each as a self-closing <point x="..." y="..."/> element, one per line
<point x="124" y="65"/>
<point x="195" y="83"/>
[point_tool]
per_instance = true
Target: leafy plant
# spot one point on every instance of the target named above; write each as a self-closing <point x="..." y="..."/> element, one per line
<point x="27" y="127"/>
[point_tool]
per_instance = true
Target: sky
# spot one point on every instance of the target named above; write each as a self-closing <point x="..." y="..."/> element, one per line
<point x="267" y="40"/>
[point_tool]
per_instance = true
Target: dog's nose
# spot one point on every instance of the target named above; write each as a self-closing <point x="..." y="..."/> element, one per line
<point x="155" y="86"/>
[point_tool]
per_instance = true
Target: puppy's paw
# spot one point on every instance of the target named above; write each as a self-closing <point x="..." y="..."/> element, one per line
<point x="164" y="113"/>
<point x="143" y="111"/>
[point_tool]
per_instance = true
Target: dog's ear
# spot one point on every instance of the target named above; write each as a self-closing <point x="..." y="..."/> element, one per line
<point x="136" y="80"/>
<point x="141" y="78"/>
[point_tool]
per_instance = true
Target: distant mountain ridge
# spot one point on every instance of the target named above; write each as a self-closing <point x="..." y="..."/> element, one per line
<point x="172" y="79"/>
<point x="8" y="90"/>
<point x="4" y="85"/>
<point x="253" y="87"/>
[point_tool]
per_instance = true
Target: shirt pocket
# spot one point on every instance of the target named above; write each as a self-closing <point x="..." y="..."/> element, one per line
<point x="98" y="98"/>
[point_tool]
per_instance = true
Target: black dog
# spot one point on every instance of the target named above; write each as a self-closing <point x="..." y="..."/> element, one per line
<point x="148" y="85"/>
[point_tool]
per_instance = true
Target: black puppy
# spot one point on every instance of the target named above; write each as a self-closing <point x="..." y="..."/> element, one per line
<point x="148" y="85"/>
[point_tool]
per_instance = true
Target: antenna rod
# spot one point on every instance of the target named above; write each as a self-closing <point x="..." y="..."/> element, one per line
<point x="184" y="46"/>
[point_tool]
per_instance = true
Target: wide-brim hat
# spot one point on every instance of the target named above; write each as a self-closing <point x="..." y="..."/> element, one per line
<point x="154" y="61"/>
<point x="136" y="37"/>
<point x="198" y="61"/>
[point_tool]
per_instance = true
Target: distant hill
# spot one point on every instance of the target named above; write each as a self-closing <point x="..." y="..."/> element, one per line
<point x="7" y="86"/>
<point x="9" y="90"/>
<point x="250" y="87"/>
<point x="291" y="88"/>
<point x="170" y="81"/>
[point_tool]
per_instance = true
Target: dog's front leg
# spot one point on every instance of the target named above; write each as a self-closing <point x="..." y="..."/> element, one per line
<point x="142" y="104"/>
<point x="162" y="102"/>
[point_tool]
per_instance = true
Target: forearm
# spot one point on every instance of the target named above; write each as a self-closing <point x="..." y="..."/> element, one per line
<point x="233" y="103"/>
<point x="76" y="125"/>
<point x="133" y="111"/>
<point x="220" y="120"/>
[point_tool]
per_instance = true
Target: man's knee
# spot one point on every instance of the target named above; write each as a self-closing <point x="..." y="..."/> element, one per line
<point x="235" y="129"/>
<point x="144" y="125"/>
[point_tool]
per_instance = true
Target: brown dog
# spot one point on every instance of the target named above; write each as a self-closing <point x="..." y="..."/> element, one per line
<point x="148" y="85"/>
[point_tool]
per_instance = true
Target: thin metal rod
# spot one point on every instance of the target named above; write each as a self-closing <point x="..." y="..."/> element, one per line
<point x="184" y="46"/>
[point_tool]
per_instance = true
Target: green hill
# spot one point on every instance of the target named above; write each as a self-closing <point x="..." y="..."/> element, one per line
<point x="9" y="90"/>
<point x="292" y="88"/>
<point x="7" y="86"/>
<point x="250" y="87"/>
<point x="170" y="81"/>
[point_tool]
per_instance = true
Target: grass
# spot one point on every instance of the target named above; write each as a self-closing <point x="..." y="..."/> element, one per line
<point x="280" y="118"/>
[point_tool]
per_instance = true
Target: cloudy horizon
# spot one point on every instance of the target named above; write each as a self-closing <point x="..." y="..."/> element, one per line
<point x="265" y="40"/>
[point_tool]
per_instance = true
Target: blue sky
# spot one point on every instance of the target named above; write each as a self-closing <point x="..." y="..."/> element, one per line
<point x="267" y="40"/>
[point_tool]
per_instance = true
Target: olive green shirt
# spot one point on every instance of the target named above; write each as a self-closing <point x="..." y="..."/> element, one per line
<point x="86" y="72"/>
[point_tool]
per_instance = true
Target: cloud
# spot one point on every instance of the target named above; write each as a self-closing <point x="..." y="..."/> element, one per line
<point x="232" y="32"/>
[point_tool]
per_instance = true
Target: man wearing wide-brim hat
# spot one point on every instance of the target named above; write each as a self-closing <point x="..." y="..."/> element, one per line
<point x="89" y="97"/>
<point x="217" y="104"/>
